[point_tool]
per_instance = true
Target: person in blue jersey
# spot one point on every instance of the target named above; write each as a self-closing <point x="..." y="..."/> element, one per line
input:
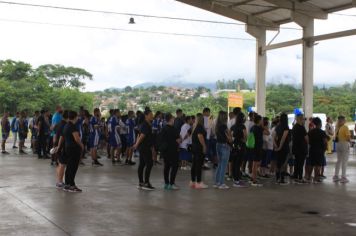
<point x="123" y="133"/>
<point x="94" y="136"/>
<point x="22" y="125"/>
<point x="130" y="137"/>
<point x="5" y="131"/>
<point x="34" y="132"/>
<point x="114" y="136"/>
<point x="156" y="129"/>
<point x="56" y="120"/>
<point x="108" y="147"/>
<point x="14" y="129"/>
<point x="79" y="126"/>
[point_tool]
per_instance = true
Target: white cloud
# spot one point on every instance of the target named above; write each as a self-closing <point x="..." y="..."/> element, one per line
<point x="117" y="59"/>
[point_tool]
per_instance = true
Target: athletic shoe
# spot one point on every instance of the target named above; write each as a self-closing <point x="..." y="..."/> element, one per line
<point x="201" y="185"/>
<point x="75" y="189"/>
<point x="283" y="183"/>
<point x="96" y="163"/>
<point x="140" y="185"/>
<point x="229" y="178"/>
<point x="192" y="184"/>
<point x="205" y="167"/>
<point x="148" y="187"/>
<point x="5" y="152"/>
<point x="66" y="188"/>
<point x="14" y="147"/>
<point x="173" y="187"/>
<point x="336" y="179"/>
<point x="166" y="187"/>
<point x="224" y="187"/>
<point x="239" y="184"/>
<point x="188" y="168"/>
<point x="60" y="185"/>
<point x="344" y="180"/>
<point x="22" y="152"/>
<point x="131" y="163"/>
<point x="216" y="186"/>
<point x="322" y="177"/>
<point x="183" y="168"/>
<point x="256" y="184"/>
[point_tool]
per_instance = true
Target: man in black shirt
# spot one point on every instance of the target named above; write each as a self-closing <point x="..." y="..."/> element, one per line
<point x="317" y="148"/>
<point x="43" y="132"/>
<point x="144" y="144"/>
<point x="179" y="120"/>
<point x="73" y="149"/>
<point x="299" y="147"/>
<point x="169" y="146"/>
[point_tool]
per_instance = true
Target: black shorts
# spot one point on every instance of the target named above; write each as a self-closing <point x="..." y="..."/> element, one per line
<point x="316" y="159"/>
<point x="257" y="154"/>
<point x="62" y="158"/>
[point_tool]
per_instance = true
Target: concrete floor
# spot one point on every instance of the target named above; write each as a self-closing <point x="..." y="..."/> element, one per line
<point x="111" y="205"/>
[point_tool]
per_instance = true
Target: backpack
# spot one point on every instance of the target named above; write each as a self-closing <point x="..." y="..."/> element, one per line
<point x="250" y="143"/>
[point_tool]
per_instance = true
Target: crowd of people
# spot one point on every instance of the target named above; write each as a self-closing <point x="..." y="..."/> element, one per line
<point x="240" y="149"/>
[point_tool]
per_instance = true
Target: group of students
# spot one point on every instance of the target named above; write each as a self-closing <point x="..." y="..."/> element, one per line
<point x="242" y="150"/>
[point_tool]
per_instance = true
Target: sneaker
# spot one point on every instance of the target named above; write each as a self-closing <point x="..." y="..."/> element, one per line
<point x="148" y="187"/>
<point x="187" y="168"/>
<point x="96" y="163"/>
<point x="229" y="178"/>
<point x="173" y="187"/>
<point x="344" y="180"/>
<point x="66" y="188"/>
<point x="192" y="184"/>
<point x="201" y="185"/>
<point x="216" y="186"/>
<point x="22" y="152"/>
<point x="322" y="177"/>
<point x="140" y="185"/>
<point x="14" y="147"/>
<point x="336" y="179"/>
<point x="131" y="163"/>
<point x="283" y="183"/>
<point x="75" y="189"/>
<point x="239" y="184"/>
<point x="60" y="185"/>
<point x="5" y="152"/>
<point x="166" y="187"/>
<point x="183" y="168"/>
<point x="206" y="167"/>
<point x="224" y="187"/>
<point x="256" y="184"/>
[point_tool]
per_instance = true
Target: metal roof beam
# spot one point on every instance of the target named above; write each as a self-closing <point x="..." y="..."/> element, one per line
<point x="302" y="8"/>
<point x="342" y="7"/>
<point x="231" y="13"/>
<point x="240" y="3"/>
<point x="265" y="11"/>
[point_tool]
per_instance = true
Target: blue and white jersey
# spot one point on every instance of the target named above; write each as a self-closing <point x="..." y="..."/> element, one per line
<point x="113" y="126"/>
<point x="92" y="123"/>
<point x="157" y="126"/>
<point x="14" y="125"/>
<point x="130" y="125"/>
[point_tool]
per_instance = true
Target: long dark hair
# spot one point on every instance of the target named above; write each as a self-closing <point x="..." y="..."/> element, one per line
<point x="283" y="120"/>
<point x="222" y="120"/>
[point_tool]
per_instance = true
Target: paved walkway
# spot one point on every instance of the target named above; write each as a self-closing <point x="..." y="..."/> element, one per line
<point x="111" y="205"/>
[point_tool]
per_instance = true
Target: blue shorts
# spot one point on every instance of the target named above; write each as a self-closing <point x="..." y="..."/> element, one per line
<point x="5" y="136"/>
<point x="115" y="141"/>
<point x="130" y="141"/>
<point x="184" y="155"/>
<point x="93" y="141"/>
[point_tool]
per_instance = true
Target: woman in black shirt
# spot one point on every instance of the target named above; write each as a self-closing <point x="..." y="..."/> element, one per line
<point x="281" y="144"/>
<point x="199" y="150"/>
<point x="73" y="149"/>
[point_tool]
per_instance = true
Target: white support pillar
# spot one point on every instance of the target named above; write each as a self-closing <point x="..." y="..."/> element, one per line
<point x="308" y="63"/>
<point x="261" y="61"/>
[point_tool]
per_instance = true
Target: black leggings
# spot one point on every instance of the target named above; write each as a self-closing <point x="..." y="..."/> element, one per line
<point x="299" y="166"/>
<point x="236" y="160"/>
<point x="145" y="161"/>
<point x="42" y="145"/>
<point x="198" y="161"/>
<point x="171" y="162"/>
<point x="281" y="160"/>
<point x="73" y="158"/>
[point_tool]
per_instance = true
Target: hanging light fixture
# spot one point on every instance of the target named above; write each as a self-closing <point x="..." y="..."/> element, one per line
<point x="132" y="20"/>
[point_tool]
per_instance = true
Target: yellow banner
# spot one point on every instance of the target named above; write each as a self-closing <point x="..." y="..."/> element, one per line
<point x="235" y="100"/>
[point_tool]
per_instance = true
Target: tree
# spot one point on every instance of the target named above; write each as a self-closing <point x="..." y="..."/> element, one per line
<point x="14" y="70"/>
<point x="128" y="89"/>
<point x="60" y="76"/>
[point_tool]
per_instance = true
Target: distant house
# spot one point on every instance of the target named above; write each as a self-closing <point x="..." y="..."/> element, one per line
<point x="204" y="95"/>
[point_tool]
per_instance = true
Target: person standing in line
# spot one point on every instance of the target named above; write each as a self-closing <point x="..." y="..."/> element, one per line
<point x="199" y="149"/>
<point x="168" y="146"/>
<point x="5" y="131"/>
<point x="130" y="137"/>
<point x="34" y="132"/>
<point x="342" y="140"/>
<point x="179" y="120"/>
<point x="114" y="137"/>
<point x="59" y="145"/>
<point x="145" y="144"/>
<point x="317" y="147"/>
<point x="186" y="136"/>
<point x="299" y="147"/>
<point x="267" y="148"/>
<point x="223" y="141"/>
<point x="329" y="129"/>
<point x="43" y="132"/>
<point x="257" y="151"/>
<point x="281" y="145"/>
<point x="247" y="161"/>
<point x="207" y="127"/>
<point x="156" y="130"/>
<point x="22" y="131"/>
<point x="73" y="149"/>
<point x="239" y="134"/>
<point x="14" y="129"/>
<point x="94" y="137"/>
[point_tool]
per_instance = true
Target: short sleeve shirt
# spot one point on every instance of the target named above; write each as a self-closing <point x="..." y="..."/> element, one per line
<point x="69" y="140"/>
<point x="146" y="129"/>
<point x="221" y="134"/>
<point x="343" y="134"/>
<point x="279" y="134"/>
<point x="299" y="145"/>
<point x="258" y="132"/>
<point x="316" y="141"/>
<point x="195" y="140"/>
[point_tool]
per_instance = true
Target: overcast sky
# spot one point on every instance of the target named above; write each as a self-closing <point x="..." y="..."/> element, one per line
<point x="118" y="59"/>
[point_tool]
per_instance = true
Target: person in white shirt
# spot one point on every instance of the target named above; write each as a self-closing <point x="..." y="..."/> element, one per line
<point x="185" y="134"/>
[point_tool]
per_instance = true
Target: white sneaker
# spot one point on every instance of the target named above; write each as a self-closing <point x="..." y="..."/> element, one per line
<point x="216" y="186"/>
<point x="201" y="186"/>
<point x="344" y="180"/>
<point x="336" y="178"/>
<point x="192" y="184"/>
<point x="224" y="186"/>
<point x="183" y="168"/>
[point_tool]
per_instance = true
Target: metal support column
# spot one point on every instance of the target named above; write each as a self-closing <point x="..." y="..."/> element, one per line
<point x="261" y="60"/>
